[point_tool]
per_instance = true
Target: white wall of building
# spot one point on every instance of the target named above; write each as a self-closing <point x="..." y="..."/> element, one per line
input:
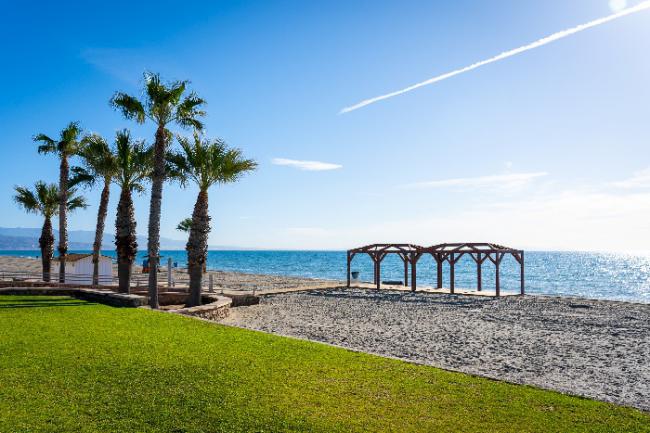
<point x="81" y="271"/>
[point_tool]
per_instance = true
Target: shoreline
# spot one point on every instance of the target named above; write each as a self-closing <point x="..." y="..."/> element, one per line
<point x="259" y="282"/>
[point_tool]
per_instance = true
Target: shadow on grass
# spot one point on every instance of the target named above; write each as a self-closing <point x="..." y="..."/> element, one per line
<point x="44" y="303"/>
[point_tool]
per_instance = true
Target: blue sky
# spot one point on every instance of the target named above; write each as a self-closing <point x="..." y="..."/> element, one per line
<point x="549" y="149"/>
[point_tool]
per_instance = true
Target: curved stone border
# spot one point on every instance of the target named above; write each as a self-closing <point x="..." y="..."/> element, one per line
<point x="217" y="309"/>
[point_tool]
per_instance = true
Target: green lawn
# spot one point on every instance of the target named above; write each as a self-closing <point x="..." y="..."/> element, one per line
<point x="68" y="365"/>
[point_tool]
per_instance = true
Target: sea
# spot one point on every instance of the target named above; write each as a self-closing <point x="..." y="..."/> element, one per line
<point x="622" y="277"/>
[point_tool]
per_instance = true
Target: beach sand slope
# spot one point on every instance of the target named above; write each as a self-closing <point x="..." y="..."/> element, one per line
<point x="597" y="349"/>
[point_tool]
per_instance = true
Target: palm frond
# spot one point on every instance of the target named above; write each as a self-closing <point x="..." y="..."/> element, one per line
<point x="176" y="90"/>
<point x="154" y="88"/>
<point x="235" y="166"/>
<point x="209" y="162"/>
<point x="130" y="106"/>
<point x="75" y="201"/>
<point x="175" y="168"/>
<point x="44" y="199"/>
<point x="48" y="197"/>
<point x="189" y="110"/>
<point x="98" y="157"/>
<point x="26" y="199"/>
<point x="70" y="133"/>
<point x="81" y="177"/>
<point x="48" y="145"/>
<point x="185" y="225"/>
<point x="67" y="145"/>
<point x="134" y="162"/>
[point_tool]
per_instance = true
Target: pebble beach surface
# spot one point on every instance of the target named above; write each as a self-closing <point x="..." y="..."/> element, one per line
<point x="596" y="349"/>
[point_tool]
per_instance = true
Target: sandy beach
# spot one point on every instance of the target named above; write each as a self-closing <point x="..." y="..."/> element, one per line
<point x="596" y="349"/>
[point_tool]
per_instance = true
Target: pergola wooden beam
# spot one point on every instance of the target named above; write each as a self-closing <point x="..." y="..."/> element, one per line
<point x="450" y="252"/>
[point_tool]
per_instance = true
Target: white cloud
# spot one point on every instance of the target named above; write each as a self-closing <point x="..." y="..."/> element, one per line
<point x="551" y="217"/>
<point x="540" y="42"/>
<point x="617" y="5"/>
<point x="306" y="165"/>
<point x="640" y="179"/>
<point x="577" y="219"/>
<point x="506" y="181"/>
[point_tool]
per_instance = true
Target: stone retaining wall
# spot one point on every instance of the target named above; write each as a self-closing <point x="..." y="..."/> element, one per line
<point x="218" y="308"/>
<point x="93" y="295"/>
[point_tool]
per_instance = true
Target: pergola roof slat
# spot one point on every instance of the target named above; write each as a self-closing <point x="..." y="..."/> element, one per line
<point x="450" y="252"/>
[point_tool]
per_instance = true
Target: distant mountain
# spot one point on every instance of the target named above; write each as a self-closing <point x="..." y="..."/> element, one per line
<point x="24" y="238"/>
<point x="31" y="243"/>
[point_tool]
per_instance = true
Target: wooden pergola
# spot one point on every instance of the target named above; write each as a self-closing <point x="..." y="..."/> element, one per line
<point x="450" y="253"/>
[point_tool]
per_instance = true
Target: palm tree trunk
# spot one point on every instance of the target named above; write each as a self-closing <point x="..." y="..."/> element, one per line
<point x="197" y="247"/>
<point x="125" y="240"/>
<point x="99" y="230"/>
<point x="63" y="217"/>
<point x="46" y="242"/>
<point x="153" y="246"/>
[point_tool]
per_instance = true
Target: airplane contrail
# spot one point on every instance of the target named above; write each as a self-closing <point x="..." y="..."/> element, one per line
<point x="546" y="40"/>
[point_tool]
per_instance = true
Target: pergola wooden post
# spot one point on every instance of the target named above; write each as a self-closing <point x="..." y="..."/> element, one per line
<point x="521" y="266"/>
<point x="414" y="263"/>
<point x="349" y="260"/>
<point x="379" y="256"/>
<point x="439" y="262"/>
<point x="406" y="273"/>
<point x="452" y="253"/>
<point x="479" y="281"/>
<point x="497" y="262"/>
<point x="405" y="259"/>
<point x="374" y="264"/>
<point x="375" y="279"/>
<point x="452" y="276"/>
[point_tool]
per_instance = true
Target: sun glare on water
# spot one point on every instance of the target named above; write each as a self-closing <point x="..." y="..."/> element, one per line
<point x="617" y="5"/>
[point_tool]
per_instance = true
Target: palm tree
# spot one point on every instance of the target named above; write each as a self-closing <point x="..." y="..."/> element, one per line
<point x="44" y="200"/>
<point x="206" y="163"/>
<point x="66" y="147"/>
<point x="134" y="166"/>
<point x="100" y="164"/>
<point x="163" y="105"/>
<point x="185" y="225"/>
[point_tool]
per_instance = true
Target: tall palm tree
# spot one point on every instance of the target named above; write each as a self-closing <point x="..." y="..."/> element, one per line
<point x="66" y="147"/>
<point x="134" y="167"/>
<point x="163" y="104"/>
<point x="99" y="165"/>
<point x="206" y="163"/>
<point x="186" y="226"/>
<point x="44" y="200"/>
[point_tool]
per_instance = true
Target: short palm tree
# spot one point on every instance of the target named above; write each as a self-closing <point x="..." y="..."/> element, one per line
<point x="163" y="104"/>
<point x="99" y="165"/>
<point x="44" y="200"/>
<point x="66" y="147"/>
<point x="134" y="166"/>
<point x="185" y="225"/>
<point x="206" y="163"/>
